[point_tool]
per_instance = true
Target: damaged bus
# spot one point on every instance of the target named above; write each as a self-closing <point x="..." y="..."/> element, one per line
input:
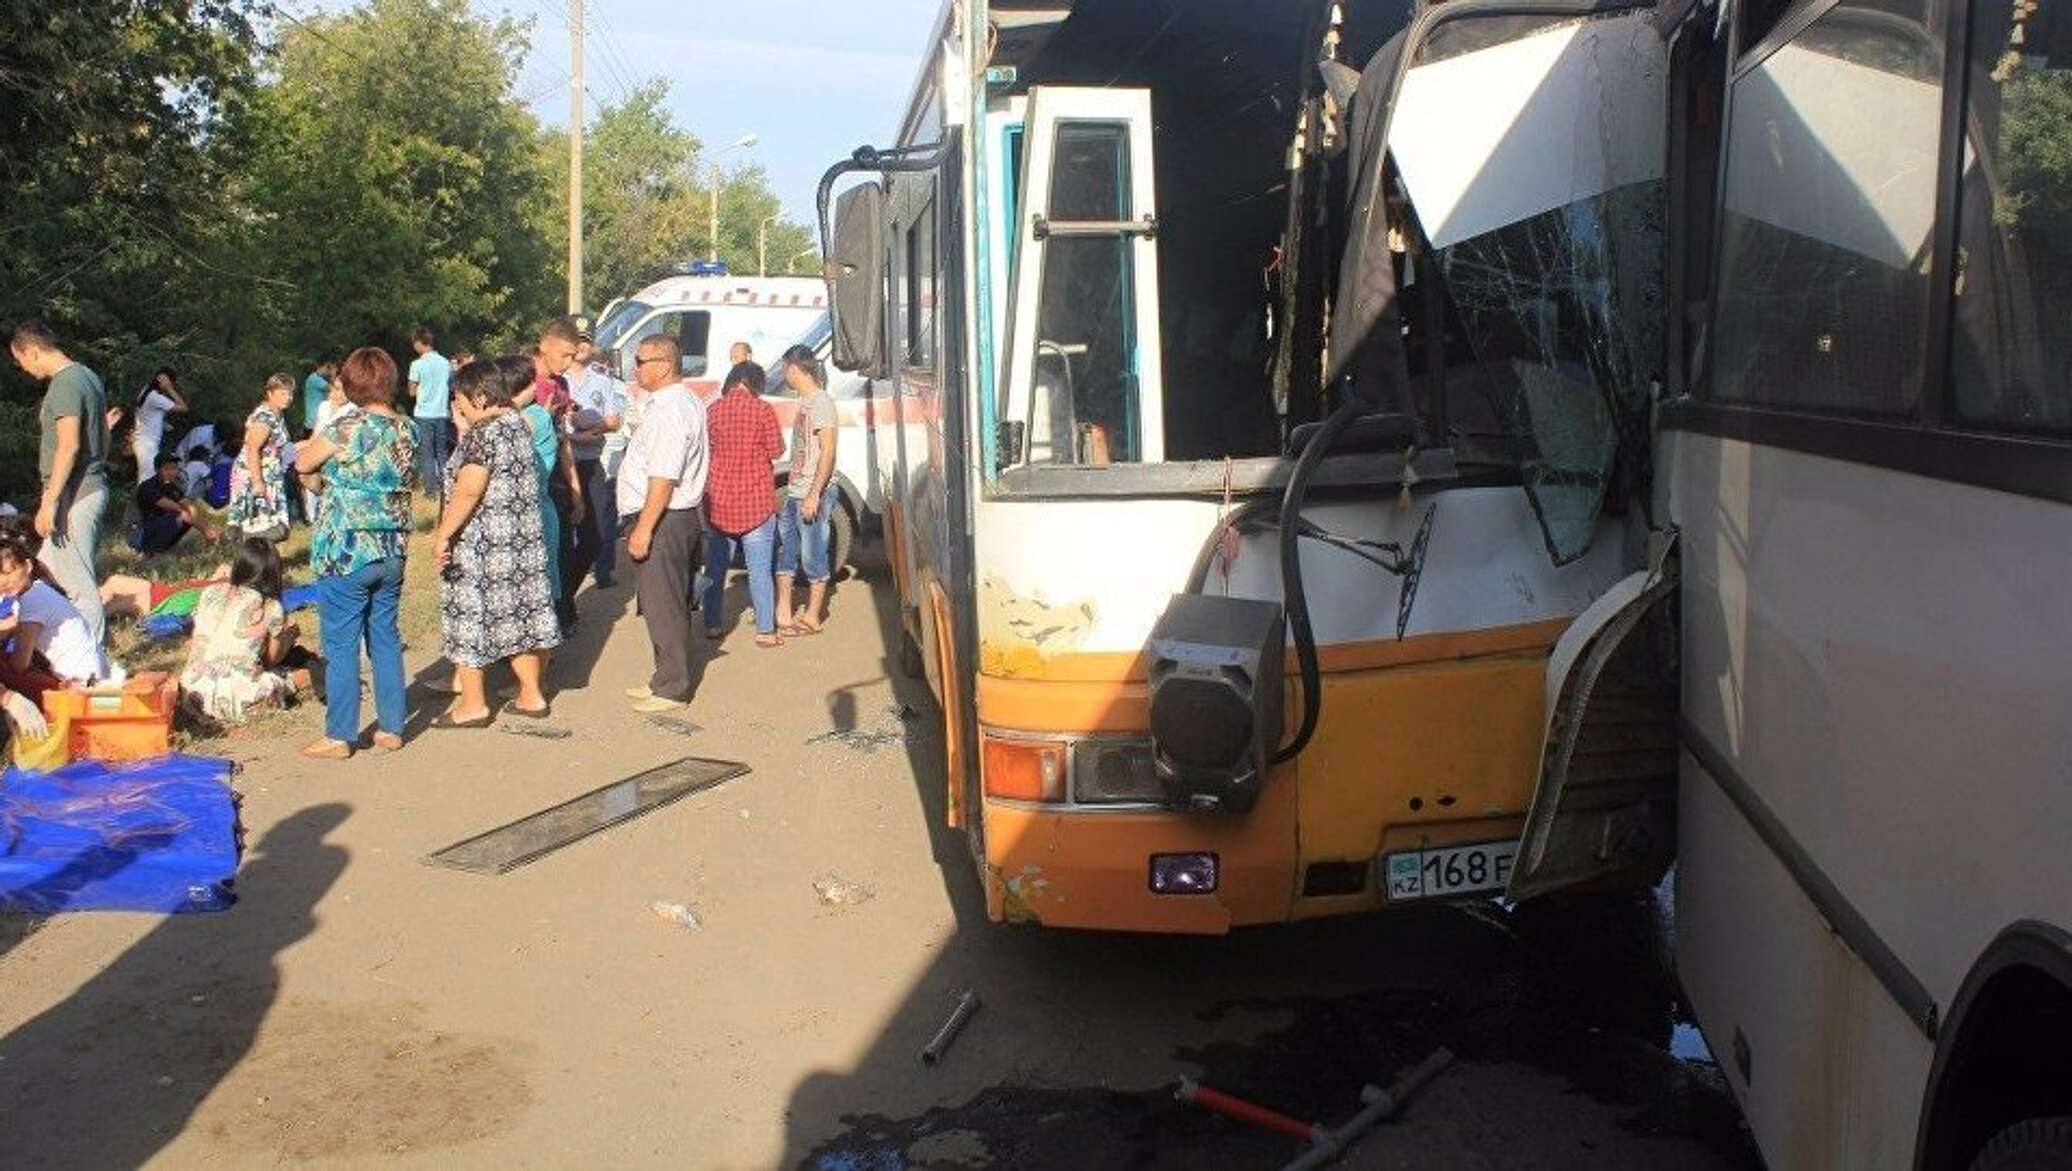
<point x="1275" y="525"/>
<point x="1380" y="452"/>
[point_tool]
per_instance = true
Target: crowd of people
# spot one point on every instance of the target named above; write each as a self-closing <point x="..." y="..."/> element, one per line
<point x="540" y="465"/>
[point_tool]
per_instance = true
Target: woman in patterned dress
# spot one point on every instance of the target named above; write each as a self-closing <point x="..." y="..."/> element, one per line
<point x="368" y="458"/>
<point x="495" y="597"/>
<point x="258" y="489"/>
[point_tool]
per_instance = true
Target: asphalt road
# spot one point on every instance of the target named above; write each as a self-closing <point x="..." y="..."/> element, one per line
<point x="358" y="1007"/>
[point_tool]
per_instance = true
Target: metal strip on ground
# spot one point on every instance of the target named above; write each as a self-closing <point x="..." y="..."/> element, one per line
<point x="536" y="835"/>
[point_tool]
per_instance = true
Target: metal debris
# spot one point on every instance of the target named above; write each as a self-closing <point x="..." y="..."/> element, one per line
<point x="681" y="727"/>
<point x="537" y="731"/>
<point x="967" y="1004"/>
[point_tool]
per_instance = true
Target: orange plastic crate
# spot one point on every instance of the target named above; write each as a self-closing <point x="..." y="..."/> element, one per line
<point x="131" y="723"/>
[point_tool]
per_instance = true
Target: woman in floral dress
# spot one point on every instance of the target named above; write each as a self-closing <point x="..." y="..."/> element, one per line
<point x="241" y="639"/>
<point x="258" y="486"/>
<point x="368" y="458"/>
<point x="495" y="597"/>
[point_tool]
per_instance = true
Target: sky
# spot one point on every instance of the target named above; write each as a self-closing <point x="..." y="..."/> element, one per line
<point x="812" y="79"/>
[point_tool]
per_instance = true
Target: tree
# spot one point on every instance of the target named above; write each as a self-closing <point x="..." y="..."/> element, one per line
<point x="646" y="199"/>
<point x="395" y="181"/>
<point x="120" y="121"/>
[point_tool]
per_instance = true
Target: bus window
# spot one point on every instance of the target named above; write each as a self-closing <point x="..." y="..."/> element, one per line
<point x="920" y="288"/>
<point x="1829" y="197"/>
<point x="2011" y="356"/>
<point x="1083" y="383"/>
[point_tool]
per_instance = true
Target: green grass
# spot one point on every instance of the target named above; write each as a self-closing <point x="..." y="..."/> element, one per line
<point x="195" y="558"/>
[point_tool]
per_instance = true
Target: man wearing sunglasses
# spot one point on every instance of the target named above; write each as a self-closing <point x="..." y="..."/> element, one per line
<point x="662" y="485"/>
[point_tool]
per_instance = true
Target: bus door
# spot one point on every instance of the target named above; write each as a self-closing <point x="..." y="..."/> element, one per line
<point x="1526" y="143"/>
<point x="1084" y="384"/>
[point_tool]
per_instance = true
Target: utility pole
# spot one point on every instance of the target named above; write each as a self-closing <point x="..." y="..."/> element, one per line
<point x="762" y="246"/>
<point x="575" y="156"/>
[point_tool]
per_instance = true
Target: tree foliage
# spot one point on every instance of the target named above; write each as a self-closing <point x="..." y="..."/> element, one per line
<point x="394" y="188"/>
<point x="225" y="188"/>
<point x="647" y="191"/>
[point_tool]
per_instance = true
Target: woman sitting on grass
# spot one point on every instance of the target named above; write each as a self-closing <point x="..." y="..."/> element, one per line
<point x="51" y="644"/>
<point x="243" y="644"/>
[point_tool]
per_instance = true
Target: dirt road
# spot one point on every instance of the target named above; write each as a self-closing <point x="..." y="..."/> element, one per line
<point x="358" y="1007"/>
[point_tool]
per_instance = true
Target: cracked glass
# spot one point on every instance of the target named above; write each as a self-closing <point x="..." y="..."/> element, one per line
<point x="1549" y="230"/>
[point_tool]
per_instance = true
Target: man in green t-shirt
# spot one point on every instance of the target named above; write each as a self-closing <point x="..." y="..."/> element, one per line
<point x="72" y="460"/>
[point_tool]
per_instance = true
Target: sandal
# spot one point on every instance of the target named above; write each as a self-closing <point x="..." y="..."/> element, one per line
<point x="386" y="741"/>
<point x="531" y="713"/>
<point x="446" y="720"/>
<point x="806" y="628"/>
<point x="767" y="641"/>
<point x="714" y="635"/>
<point x="328" y="749"/>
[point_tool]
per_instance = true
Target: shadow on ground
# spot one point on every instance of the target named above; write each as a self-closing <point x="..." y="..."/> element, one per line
<point x="109" y="1075"/>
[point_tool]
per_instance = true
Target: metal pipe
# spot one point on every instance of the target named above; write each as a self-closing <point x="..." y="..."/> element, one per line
<point x="967" y="1004"/>
<point x="1380" y="1106"/>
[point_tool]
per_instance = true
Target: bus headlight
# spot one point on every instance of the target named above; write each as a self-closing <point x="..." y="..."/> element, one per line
<point x="1114" y="772"/>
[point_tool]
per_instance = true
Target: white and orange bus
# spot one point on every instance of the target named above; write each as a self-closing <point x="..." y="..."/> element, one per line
<point x="1129" y="268"/>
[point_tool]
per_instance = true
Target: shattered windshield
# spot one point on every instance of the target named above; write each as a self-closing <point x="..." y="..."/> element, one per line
<point x="1532" y="163"/>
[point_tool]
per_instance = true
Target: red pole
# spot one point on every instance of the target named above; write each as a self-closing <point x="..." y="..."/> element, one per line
<point x="1243" y="1111"/>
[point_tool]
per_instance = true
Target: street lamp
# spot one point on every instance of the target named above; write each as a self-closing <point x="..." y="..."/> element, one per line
<point x="741" y="143"/>
<point x="762" y="246"/>
<point x="801" y="254"/>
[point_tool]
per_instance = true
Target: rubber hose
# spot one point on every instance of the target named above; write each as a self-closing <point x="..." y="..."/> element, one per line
<point x="1293" y="598"/>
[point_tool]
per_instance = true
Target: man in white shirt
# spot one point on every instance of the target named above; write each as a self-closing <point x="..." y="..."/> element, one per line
<point x="661" y="485"/>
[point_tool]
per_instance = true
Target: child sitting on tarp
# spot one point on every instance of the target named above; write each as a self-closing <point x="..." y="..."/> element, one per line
<point x="49" y="638"/>
<point x="244" y="653"/>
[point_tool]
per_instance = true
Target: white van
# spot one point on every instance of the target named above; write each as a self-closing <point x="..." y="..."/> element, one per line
<point x="707" y="314"/>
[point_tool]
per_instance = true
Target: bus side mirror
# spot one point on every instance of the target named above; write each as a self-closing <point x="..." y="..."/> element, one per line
<point x="855" y="277"/>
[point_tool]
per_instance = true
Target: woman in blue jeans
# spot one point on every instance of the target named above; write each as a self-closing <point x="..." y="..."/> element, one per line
<point x="740" y="504"/>
<point x="368" y="459"/>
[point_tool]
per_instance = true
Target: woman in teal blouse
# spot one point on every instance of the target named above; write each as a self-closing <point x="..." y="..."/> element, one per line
<point x="368" y="458"/>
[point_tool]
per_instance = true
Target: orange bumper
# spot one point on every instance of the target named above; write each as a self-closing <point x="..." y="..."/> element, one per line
<point x="1423" y="743"/>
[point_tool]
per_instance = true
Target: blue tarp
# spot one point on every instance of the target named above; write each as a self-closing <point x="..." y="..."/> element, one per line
<point x="164" y="626"/>
<point x="158" y="835"/>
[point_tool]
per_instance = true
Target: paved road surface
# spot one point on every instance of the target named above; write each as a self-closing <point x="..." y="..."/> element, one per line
<point x="360" y="1008"/>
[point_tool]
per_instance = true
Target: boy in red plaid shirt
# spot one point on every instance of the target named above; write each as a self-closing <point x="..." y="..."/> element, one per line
<point x="740" y="499"/>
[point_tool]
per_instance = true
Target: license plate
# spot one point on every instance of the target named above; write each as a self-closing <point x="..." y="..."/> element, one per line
<point x="1449" y="870"/>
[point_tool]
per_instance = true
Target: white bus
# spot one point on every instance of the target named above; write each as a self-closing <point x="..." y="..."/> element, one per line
<point x="1872" y="475"/>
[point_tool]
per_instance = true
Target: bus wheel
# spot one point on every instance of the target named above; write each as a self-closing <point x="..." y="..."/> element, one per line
<point x="841" y="538"/>
<point x="2033" y="1144"/>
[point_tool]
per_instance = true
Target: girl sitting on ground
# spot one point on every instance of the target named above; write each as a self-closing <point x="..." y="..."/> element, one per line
<point x="244" y="653"/>
<point x="48" y="634"/>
